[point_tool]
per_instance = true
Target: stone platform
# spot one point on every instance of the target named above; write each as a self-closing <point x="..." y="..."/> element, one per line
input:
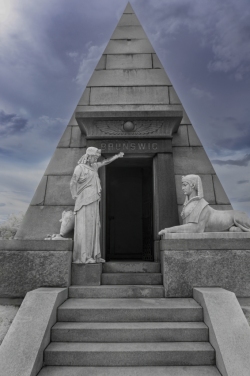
<point x="205" y="260"/>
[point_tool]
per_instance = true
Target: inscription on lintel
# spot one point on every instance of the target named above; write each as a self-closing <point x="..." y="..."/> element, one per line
<point x="132" y="146"/>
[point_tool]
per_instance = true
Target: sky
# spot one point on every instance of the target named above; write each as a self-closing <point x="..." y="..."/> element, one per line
<point x="49" y="49"/>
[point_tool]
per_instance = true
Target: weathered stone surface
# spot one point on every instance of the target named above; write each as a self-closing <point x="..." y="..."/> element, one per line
<point x="208" y="189"/>
<point x="222" y="207"/>
<point x="58" y="191"/>
<point x="128" y="20"/>
<point x="131" y="279"/>
<point x="101" y="63"/>
<point x="229" y="332"/>
<point x="73" y="121"/>
<point x="205" y="241"/>
<point x="191" y="160"/>
<point x="65" y="139"/>
<point x="132" y="77"/>
<point x="220" y="194"/>
<point x="156" y="62"/>
<point x="133" y="61"/>
<point x="39" y="221"/>
<point x="64" y="161"/>
<point x="182" y="271"/>
<point x="129" y="95"/>
<point x="23" y="271"/>
<point x="21" y="353"/>
<point x="129" y="32"/>
<point x="181" y="137"/>
<point x="84" y="100"/>
<point x="174" y="99"/>
<point x="86" y="274"/>
<point x="185" y="119"/>
<point x="38" y="198"/>
<point x="135" y="46"/>
<point x="78" y="140"/>
<point x="193" y="138"/>
<point x="131" y="267"/>
<point x="35" y="245"/>
<point x="140" y="110"/>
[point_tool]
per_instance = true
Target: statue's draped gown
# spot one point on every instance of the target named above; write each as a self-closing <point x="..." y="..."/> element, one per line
<point x="85" y="184"/>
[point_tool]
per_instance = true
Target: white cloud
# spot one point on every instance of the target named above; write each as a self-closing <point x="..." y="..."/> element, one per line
<point x="199" y="93"/>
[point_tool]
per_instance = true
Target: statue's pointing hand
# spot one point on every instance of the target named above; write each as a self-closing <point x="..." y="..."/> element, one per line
<point x="120" y="155"/>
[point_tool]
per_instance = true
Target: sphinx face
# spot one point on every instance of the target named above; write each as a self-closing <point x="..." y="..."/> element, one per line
<point x="187" y="189"/>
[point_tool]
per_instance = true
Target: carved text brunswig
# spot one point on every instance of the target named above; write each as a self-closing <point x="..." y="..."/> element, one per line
<point x="131" y="146"/>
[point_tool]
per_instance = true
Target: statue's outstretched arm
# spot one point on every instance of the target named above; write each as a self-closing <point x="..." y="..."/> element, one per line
<point x="110" y="160"/>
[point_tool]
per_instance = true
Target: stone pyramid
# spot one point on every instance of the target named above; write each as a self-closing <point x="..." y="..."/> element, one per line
<point x="129" y="78"/>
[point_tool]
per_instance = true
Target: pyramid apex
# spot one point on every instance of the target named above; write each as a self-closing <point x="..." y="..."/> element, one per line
<point x="129" y="8"/>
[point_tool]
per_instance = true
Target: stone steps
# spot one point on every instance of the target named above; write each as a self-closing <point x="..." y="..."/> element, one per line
<point x="131" y="267"/>
<point x="130" y="371"/>
<point x="132" y="279"/>
<point x="124" y="310"/>
<point x="112" y="291"/>
<point x="129" y="354"/>
<point x="129" y="332"/>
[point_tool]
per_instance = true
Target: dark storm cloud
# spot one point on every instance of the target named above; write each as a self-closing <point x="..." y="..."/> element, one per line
<point x="11" y="123"/>
<point x="239" y="162"/>
<point x="242" y="181"/>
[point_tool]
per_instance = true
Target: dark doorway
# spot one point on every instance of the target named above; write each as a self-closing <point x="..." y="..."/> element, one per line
<point x="129" y="210"/>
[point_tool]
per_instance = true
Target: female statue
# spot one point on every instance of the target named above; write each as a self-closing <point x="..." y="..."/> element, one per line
<point x="86" y="191"/>
<point x="198" y="216"/>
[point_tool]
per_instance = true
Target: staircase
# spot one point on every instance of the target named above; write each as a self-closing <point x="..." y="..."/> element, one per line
<point x="126" y="327"/>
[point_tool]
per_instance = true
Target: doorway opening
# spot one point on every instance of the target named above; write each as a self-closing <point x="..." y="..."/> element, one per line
<point x="129" y="209"/>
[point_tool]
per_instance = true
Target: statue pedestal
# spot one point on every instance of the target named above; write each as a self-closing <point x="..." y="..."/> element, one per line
<point x="86" y="274"/>
<point x="219" y="259"/>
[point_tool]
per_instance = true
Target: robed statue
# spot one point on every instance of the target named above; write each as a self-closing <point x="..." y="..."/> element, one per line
<point x="85" y="188"/>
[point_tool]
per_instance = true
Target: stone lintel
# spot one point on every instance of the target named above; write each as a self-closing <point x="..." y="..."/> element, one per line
<point x="36" y="245"/>
<point x="206" y="241"/>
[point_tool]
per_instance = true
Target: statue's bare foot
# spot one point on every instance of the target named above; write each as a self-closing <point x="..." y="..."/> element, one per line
<point x="235" y="229"/>
<point x="100" y="260"/>
<point x="90" y="261"/>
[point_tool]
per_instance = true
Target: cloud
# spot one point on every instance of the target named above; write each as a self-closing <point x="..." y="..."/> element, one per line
<point x="239" y="162"/>
<point x="2" y="204"/>
<point x="242" y="181"/>
<point x="11" y="123"/>
<point x="243" y="199"/>
<point x="199" y="93"/>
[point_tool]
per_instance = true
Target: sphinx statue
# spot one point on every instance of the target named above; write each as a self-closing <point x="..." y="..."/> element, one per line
<point x="198" y="216"/>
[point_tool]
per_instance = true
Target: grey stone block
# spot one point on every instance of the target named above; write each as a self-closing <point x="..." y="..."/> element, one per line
<point x="101" y="63"/>
<point x="193" y="138"/>
<point x="116" y="292"/>
<point x="78" y="140"/>
<point x="132" y="354"/>
<point x="131" y="77"/>
<point x="229" y="332"/>
<point x="131" y="371"/>
<point x="191" y="160"/>
<point x="130" y="332"/>
<point x="220" y="194"/>
<point x="65" y="139"/>
<point x="181" y="137"/>
<point x="35" y="245"/>
<point x="129" y="95"/>
<point x="174" y="99"/>
<point x="206" y="241"/>
<point x="128" y="9"/>
<point x="135" y="46"/>
<point x="86" y="274"/>
<point x="131" y="267"/>
<point x="156" y="62"/>
<point x="58" y="191"/>
<point x="129" y="32"/>
<point x="39" y="196"/>
<point x="73" y="121"/>
<point x="128" y="20"/>
<point x="132" y="61"/>
<point x="131" y="279"/>
<point x="208" y="189"/>
<point x="23" y="271"/>
<point x="39" y="221"/>
<point x="84" y="100"/>
<point x="134" y="310"/>
<point x="21" y="353"/>
<point x="185" y="119"/>
<point x="182" y="271"/>
<point x="64" y="161"/>
<point x="154" y="110"/>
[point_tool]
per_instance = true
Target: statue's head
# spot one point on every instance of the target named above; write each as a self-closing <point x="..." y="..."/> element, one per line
<point x="91" y="155"/>
<point x="191" y="184"/>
